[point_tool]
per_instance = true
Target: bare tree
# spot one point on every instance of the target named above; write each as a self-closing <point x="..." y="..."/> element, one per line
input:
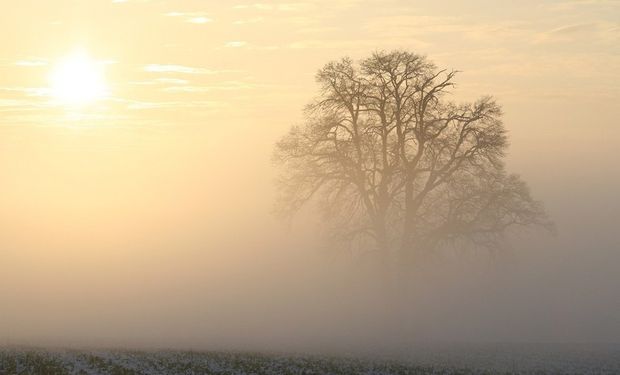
<point x="399" y="168"/>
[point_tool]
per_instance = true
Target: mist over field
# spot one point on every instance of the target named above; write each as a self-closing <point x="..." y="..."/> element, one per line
<point x="191" y="257"/>
<point x="141" y="214"/>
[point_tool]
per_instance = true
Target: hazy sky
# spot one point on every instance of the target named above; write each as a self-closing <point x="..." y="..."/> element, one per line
<point x="149" y="196"/>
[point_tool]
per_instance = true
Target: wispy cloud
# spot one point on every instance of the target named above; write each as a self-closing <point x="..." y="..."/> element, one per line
<point x="193" y="17"/>
<point x="236" y="44"/>
<point x="199" y="20"/>
<point x="32" y="63"/>
<point x="129" y="1"/>
<point x="145" y="105"/>
<point x="30" y="100"/>
<point x="572" y="28"/>
<point x="572" y="5"/>
<point x="221" y="86"/>
<point x="160" y="81"/>
<point x="276" y="7"/>
<point x="174" y="81"/>
<point x="592" y="31"/>
<point x="21" y="105"/>
<point x="28" y="91"/>
<point x="248" y="21"/>
<point x="164" y="68"/>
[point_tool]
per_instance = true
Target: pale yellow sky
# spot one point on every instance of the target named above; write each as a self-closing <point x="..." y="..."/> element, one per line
<point x="212" y="59"/>
<point x="177" y="156"/>
<point x="197" y="79"/>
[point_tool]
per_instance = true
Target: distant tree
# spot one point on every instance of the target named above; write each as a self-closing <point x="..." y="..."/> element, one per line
<point x="397" y="167"/>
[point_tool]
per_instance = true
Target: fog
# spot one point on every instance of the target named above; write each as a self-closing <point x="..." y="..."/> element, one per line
<point x="148" y="222"/>
<point x="154" y="249"/>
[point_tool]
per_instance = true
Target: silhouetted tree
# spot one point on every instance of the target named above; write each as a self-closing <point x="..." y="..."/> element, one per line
<point x="399" y="168"/>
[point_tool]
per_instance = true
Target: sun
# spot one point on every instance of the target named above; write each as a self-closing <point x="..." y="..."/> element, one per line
<point x="77" y="80"/>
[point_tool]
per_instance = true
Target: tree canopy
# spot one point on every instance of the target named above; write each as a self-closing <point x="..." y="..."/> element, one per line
<point x="399" y="168"/>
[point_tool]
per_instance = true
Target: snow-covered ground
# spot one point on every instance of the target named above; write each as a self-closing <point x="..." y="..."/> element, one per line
<point x="455" y="359"/>
<point x="513" y="358"/>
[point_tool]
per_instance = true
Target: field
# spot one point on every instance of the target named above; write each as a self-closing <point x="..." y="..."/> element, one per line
<point x="118" y="362"/>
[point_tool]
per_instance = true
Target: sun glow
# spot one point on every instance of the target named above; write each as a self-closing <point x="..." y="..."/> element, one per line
<point x="78" y="80"/>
